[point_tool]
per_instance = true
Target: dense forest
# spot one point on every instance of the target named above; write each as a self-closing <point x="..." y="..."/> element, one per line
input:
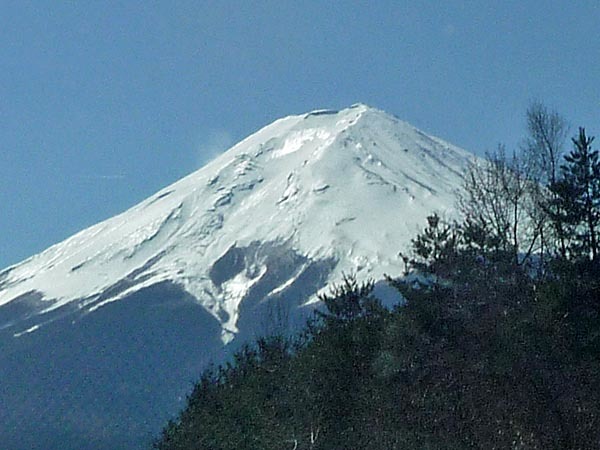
<point x="496" y="347"/>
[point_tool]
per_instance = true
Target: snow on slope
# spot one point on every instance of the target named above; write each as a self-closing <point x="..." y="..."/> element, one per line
<point x="350" y="187"/>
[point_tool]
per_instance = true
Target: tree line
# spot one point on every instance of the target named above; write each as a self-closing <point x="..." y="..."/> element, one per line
<point x="539" y="203"/>
<point x="496" y="347"/>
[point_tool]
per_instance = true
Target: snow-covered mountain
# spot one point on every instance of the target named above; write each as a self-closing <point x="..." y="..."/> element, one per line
<point x="158" y="290"/>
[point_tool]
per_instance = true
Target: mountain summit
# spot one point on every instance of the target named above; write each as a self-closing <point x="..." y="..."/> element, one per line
<point x="270" y="222"/>
<point x="348" y="187"/>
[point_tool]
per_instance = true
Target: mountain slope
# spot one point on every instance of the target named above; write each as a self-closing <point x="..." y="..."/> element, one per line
<point x="326" y="185"/>
<point x="102" y="334"/>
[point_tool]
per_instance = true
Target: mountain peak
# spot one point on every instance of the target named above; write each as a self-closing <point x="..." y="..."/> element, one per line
<point x="348" y="187"/>
<point x="353" y="108"/>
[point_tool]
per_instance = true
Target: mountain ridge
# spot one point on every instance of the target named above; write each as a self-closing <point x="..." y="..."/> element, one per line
<point x="270" y="187"/>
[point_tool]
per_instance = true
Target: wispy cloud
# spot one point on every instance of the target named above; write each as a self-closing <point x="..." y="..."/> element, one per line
<point x="212" y="144"/>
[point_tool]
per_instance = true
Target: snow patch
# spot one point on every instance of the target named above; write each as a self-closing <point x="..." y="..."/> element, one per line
<point x="28" y="330"/>
<point x="234" y="291"/>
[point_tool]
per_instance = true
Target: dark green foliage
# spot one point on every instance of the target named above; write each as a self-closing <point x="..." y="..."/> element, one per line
<point x="348" y="301"/>
<point x="575" y="205"/>
<point x="277" y="395"/>
<point x="436" y="248"/>
<point x="238" y="407"/>
<point x="490" y="360"/>
<point x="339" y="358"/>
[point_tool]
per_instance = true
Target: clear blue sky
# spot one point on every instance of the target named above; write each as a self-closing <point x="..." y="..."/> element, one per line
<point x="102" y="102"/>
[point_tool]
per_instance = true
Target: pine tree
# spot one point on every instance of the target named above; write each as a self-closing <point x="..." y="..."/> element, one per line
<point x="435" y="249"/>
<point x="578" y="196"/>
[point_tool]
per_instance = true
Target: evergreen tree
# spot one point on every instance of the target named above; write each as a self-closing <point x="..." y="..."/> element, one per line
<point x="578" y="196"/>
<point x="436" y="246"/>
<point x="348" y="301"/>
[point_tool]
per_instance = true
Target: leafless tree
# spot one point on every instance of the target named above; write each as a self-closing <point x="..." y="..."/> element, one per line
<point x="497" y="198"/>
<point x="543" y="147"/>
<point x="544" y="144"/>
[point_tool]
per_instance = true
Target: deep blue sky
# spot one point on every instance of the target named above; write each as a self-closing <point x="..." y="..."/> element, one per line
<point x="103" y="103"/>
